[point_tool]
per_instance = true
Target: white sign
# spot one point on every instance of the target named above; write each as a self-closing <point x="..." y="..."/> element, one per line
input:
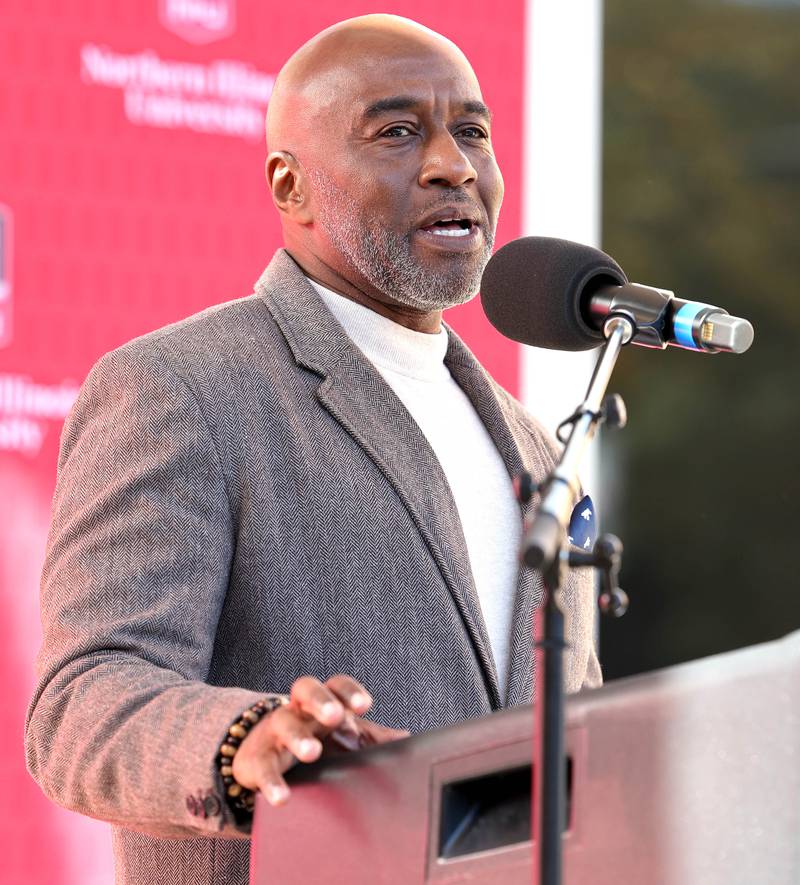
<point x="25" y="409"/>
<point x="225" y="97"/>
<point x="198" y="21"/>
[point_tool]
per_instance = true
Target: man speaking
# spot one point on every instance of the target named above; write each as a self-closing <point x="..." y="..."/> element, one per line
<point x="296" y="508"/>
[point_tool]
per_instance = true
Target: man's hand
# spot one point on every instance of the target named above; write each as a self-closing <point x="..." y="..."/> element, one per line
<point x="319" y="718"/>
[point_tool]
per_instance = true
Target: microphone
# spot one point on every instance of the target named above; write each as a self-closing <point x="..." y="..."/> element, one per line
<point x="558" y="294"/>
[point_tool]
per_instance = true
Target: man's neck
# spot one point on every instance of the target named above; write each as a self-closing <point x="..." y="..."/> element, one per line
<point x="419" y="321"/>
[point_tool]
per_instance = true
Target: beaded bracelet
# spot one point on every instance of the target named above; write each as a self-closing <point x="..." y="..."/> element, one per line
<point x="239" y="798"/>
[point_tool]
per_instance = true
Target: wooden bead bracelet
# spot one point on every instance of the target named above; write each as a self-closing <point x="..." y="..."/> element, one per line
<point x="239" y="798"/>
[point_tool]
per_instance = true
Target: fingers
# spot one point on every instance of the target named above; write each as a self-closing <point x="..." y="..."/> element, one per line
<point x="356" y="734"/>
<point x="260" y="762"/>
<point x="270" y="780"/>
<point x="311" y="697"/>
<point x="351" y="693"/>
<point x="271" y="748"/>
<point x="295" y="732"/>
<point x="382" y="734"/>
<point x="328" y="703"/>
<point x="346" y="735"/>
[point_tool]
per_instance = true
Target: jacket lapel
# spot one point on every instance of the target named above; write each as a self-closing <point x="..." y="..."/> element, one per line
<point x="511" y="439"/>
<point x="356" y="396"/>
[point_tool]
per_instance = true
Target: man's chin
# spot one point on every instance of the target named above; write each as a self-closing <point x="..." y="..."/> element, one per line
<point x="446" y="280"/>
<point x="424" y="279"/>
<point x="434" y="297"/>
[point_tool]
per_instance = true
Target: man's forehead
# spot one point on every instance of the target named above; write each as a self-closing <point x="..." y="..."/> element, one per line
<point x="345" y="71"/>
<point x="408" y="80"/>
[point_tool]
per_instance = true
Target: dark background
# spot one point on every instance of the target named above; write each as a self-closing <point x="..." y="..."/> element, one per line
<point x="701" y="192"/>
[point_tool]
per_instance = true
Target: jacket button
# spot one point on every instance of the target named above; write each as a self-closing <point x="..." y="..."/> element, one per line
<point x="211" y="805"/>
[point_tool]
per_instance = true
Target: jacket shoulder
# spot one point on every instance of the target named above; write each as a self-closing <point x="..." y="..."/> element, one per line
<point x="216" y="329"/>
<point x="199" y="349"/>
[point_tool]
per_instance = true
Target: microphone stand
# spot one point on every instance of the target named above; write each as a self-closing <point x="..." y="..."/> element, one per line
<point x="545" y="547"/>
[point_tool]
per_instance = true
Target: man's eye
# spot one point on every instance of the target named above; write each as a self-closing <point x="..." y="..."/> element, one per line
<point x="473" y="132"/>
<point x="397" y="131"/>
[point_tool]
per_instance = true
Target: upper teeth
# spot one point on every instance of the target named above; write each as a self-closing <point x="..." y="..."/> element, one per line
<point x="458" y="232"/>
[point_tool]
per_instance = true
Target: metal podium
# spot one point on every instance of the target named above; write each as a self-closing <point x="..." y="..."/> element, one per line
<point x="685" y="776"/>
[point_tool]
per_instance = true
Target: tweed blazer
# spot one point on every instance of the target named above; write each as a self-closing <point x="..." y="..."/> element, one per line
<point x="241" y="500"/>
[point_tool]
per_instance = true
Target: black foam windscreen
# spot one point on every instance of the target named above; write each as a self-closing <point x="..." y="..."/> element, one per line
<point x="534" y="290"/>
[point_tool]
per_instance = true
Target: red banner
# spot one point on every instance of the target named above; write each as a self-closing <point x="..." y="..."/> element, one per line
<point x="132" y="194"/>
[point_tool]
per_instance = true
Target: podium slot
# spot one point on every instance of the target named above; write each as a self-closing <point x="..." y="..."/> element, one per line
<point x="490" y="811"/>
<point x="485" y="812"/>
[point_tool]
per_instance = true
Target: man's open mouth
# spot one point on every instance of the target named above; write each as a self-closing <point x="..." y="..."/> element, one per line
<point x="450" y="227"/>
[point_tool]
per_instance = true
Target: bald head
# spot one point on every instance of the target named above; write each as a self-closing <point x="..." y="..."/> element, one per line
<point x="381" y="166"/>
<point x="319" y="71"/>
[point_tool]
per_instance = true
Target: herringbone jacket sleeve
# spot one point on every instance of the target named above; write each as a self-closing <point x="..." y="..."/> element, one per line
<point x="122" y="726"/>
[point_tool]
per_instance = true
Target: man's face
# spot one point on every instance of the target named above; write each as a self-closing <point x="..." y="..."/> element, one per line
<point x="405" y="187"/>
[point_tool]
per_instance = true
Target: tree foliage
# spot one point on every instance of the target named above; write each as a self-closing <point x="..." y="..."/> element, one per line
<point x="701" y="184"/>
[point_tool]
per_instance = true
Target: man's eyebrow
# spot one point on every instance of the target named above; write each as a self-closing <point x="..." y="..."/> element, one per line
<point x="394" y="103"/>
<point x="408" y="102"/>
<point x="478" y="107"/>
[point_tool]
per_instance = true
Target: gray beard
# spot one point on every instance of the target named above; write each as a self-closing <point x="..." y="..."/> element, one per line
<point x="385" y="259"/>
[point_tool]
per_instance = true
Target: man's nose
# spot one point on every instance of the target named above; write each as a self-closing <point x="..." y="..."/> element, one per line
<point x="445" y="163"/>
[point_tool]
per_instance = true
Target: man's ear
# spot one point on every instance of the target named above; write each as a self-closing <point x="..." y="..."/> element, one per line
<point x="289" y="186"/>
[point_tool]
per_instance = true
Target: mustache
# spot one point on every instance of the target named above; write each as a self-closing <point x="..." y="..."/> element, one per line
<point x="456" y="198"/>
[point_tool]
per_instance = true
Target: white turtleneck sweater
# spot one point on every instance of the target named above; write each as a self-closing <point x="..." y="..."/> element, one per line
<point x="412" y="364"/>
